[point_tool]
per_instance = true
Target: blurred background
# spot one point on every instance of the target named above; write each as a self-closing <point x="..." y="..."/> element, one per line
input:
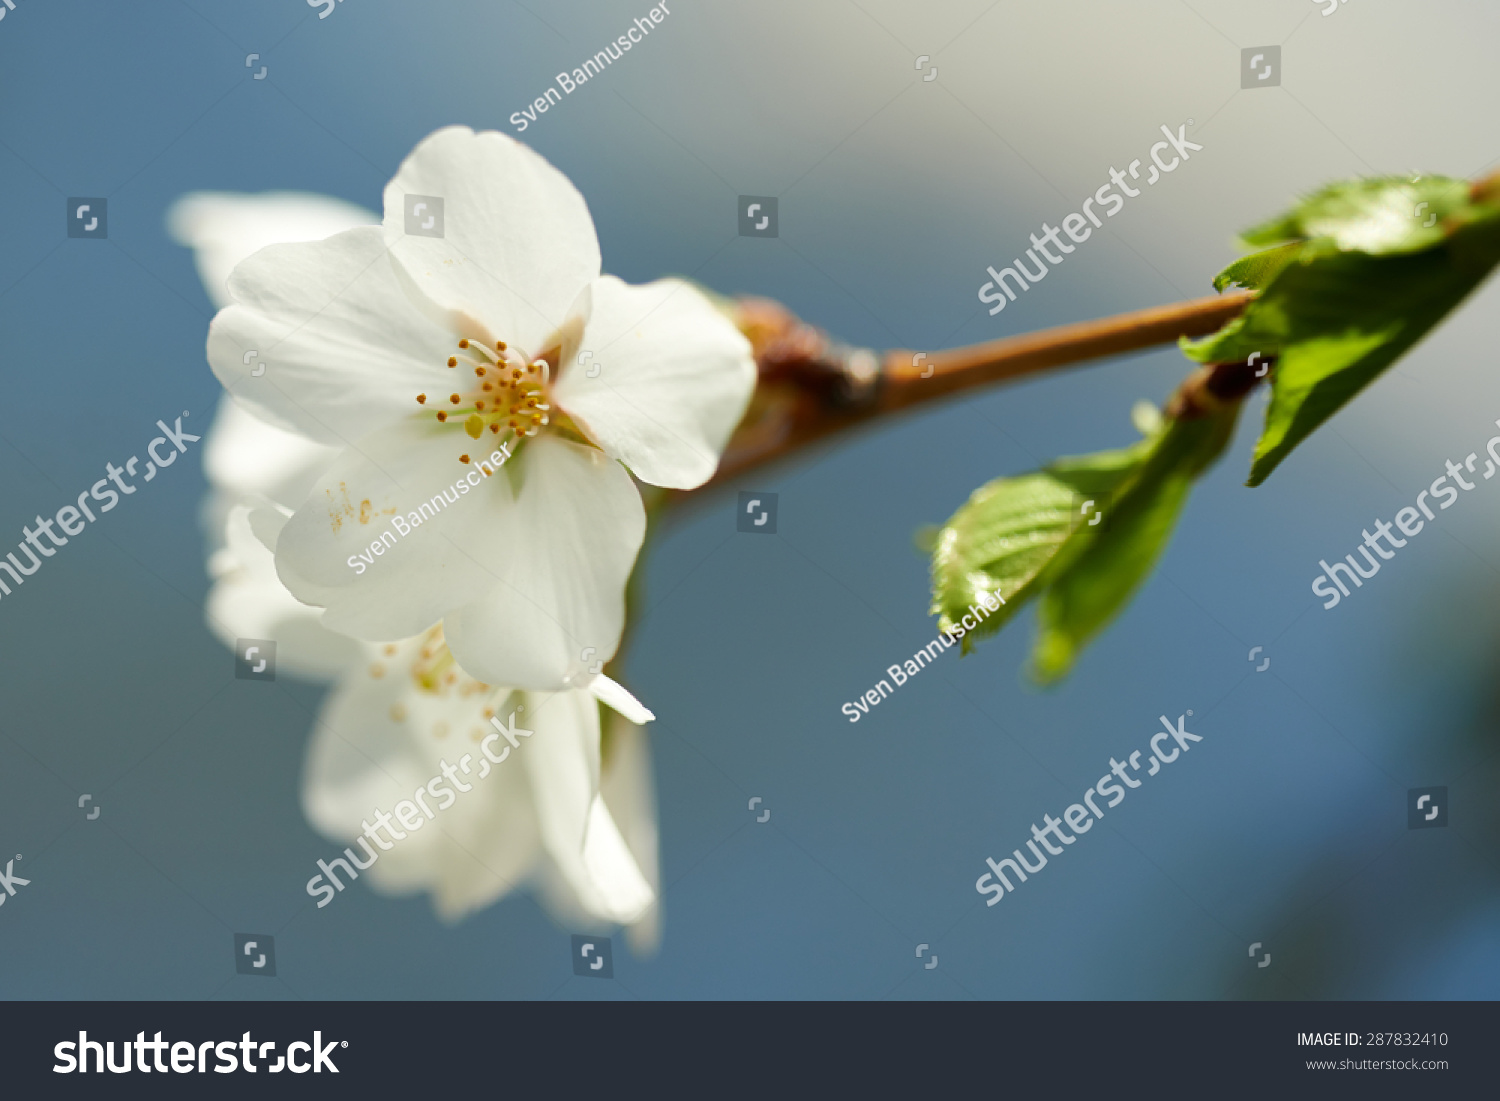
<point x="1286" y="826"/>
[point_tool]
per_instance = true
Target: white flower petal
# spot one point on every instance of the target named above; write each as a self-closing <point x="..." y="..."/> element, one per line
<point x="518" y="243"/>
<point x="477" y="846"/>
<point x="266" y="521"/>
<point x="340" y="346"/>
<point x="593" y="875"/>
<point x="577" y="831"/>
<point x="538" y="813"/>
<point x="223" y="228"/>
<point x="500" y="852"/>
<point x="304" y="647"/>
<point x="674" y="378"/>
<point x="359" y="758"/>
<point x="244" y="456"/>
<point x="562" y="759"/>
<point x="483" y="846"/>
<point x="248" y="601"/>
<point x="522" y="584"/>
<point x="408" y="470"/>
<point x="616" y="695"/>
<point x="561" y="557"/>
<point x="628" y="791"/>
<point x="622" y="891"/>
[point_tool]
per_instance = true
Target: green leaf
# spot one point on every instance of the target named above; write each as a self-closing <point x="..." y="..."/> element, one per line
<point x="1082" y="534"/>
<point x="1366" y="282"/>
<point x="1088" y="589"/>
<point x="1355" y="276"/>
<point x="1380" y="215"/>
<point x="1006" y="535"/>
<point x="1259" y="268"/>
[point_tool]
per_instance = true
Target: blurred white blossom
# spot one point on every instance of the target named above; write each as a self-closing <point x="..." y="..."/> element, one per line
<point x="532" y="810"/>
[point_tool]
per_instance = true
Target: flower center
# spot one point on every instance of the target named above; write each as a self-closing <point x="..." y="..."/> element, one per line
<point x="460" y="700"/>
<point x="504" y="393"/>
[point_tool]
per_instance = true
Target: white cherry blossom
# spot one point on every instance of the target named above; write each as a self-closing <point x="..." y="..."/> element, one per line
<point x="582" y="835"/>
<point x="418" y="355"/>
<point x="526" y="822"/>
<point x="503" y="811"/>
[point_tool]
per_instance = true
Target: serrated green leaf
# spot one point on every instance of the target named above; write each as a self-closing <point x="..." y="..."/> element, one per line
<point x="1336" y="316"/>
<point x="1005" y="537"/>
<point x="1259" y="268"/>
<point x="1085" y="592"/>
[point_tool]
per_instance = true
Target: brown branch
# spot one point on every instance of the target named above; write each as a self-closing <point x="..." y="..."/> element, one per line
<point x="812" y="387"/>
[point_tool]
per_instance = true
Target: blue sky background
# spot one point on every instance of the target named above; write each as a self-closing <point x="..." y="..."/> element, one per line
<point x="1286" y="825"/>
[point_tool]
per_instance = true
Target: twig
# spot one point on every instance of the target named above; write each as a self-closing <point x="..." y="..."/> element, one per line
<point x="812" y="387"/>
